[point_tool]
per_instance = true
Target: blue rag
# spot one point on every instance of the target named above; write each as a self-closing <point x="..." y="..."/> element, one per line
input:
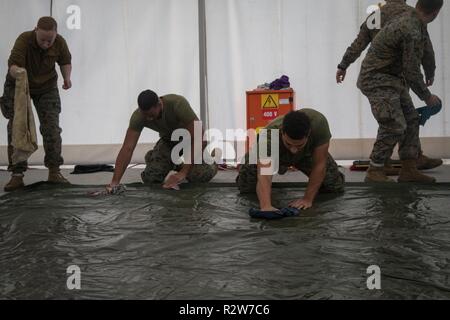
<point x="274" y="215"/>
<point x="427" y="112"/>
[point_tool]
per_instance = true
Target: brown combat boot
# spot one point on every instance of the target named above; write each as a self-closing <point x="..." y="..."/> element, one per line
<point x="15" y="183"/>
<point x="409" y="173"/>
<point x="390" y="170"/>
<point x="377" y="175"/>
<point x="55" y="176"/>
<point x="425" y="163"/>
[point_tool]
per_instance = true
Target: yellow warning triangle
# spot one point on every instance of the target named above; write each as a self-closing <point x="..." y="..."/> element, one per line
<point x="270" y="103"/>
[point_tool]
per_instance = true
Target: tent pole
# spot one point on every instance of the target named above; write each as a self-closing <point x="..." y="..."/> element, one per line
<point x="204" y="110"/>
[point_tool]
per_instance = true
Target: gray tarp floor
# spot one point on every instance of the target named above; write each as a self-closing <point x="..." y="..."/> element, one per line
<point x="200" y="243"/>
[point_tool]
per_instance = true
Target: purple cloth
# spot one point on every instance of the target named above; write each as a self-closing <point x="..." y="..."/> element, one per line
<point x="281" y="83"/>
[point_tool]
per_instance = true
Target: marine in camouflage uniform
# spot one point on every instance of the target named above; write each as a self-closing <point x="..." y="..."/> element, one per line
<point x="320" y="135"/>
<point x="164" y="115"/>
<point x="393" y="10"/>
<point x="391" y="66"/>
<point x="333" y="182"/>
<point x="39" y="62"/>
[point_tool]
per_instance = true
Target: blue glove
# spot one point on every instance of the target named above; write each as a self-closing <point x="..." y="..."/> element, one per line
<point x="426" y="113"/>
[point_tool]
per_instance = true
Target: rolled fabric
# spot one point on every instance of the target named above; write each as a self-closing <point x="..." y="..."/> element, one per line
<point x="281" y="83"/>
<point x="24" y="136"/>
<point x="427" y="112"/>
<point x="268" y="215"/>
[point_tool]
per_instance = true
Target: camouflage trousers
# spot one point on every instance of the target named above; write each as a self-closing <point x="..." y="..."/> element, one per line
<point x="159" y="164"/>
<point x="48" y="108"/>
<point x="333" y="183"/>
<point x="398" y="122"/>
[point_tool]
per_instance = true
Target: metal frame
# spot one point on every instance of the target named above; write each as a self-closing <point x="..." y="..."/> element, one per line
<point x="204" y="110"/>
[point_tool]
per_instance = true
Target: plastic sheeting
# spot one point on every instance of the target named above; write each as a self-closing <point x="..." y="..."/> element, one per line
<point x="155" y="244"/>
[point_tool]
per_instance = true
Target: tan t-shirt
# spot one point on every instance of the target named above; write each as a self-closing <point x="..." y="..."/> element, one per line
<point x="176" y="114"/>
<point x="39" y="63"/>
<point x="320" y="135"/>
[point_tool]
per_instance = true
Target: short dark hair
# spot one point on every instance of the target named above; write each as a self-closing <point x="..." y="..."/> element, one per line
<point x="47" y="24"/>
<point x="296" y="125"/>
<point x="147" y="100"/>
<point x="429" y="6"/>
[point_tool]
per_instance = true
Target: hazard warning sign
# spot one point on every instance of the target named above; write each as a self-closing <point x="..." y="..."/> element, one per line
<point x="270" y="101"/>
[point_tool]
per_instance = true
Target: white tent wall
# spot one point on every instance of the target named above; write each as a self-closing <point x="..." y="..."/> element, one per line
<point x="255" y="41"/>
<point x="124" y="47"/>
<point x="15" y="18"/>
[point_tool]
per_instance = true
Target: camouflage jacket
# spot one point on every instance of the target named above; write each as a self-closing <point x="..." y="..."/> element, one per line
<point x="395" y="55"/>
<point x="389" y="12"/>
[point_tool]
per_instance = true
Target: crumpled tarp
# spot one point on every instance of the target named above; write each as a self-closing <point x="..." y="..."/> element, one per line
<point x="200" y="243"/>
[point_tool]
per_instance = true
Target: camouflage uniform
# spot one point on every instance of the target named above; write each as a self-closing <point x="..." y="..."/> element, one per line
<point x="48" y="108"/>
<point x="320" y="135"/>
<point x="389" y="12"/>
<point x="176" y="114"/>
<point x="333" y="183"/>
<point x="159" y="164"/>
<point x="43" y="85"/>
<point x="390" y="67"/>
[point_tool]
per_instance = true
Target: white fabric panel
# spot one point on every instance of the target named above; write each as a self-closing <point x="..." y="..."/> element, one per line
<point x="16" y="17"/>
<point x="125" y="47"/>
<point x="256" y="41"/>
<point x="439" y="126"/>
<point x="122" y="48"/>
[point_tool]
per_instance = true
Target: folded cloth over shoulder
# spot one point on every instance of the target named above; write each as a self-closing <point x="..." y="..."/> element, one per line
<point x="427" y="112"/>
<point x="274" y="215"/>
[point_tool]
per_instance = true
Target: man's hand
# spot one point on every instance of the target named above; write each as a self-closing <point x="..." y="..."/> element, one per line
<point x="174" y="180"/>
<point x="110" y="188"/>
<point x="433" y="101"/>
<point x="302" y="204"/>
<point x="67" y="84"/>
<point x="15" y="71"/>
<point x="430" y="82"/>
<point x="340" y="75"/>
<point x="115" y="188"/>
